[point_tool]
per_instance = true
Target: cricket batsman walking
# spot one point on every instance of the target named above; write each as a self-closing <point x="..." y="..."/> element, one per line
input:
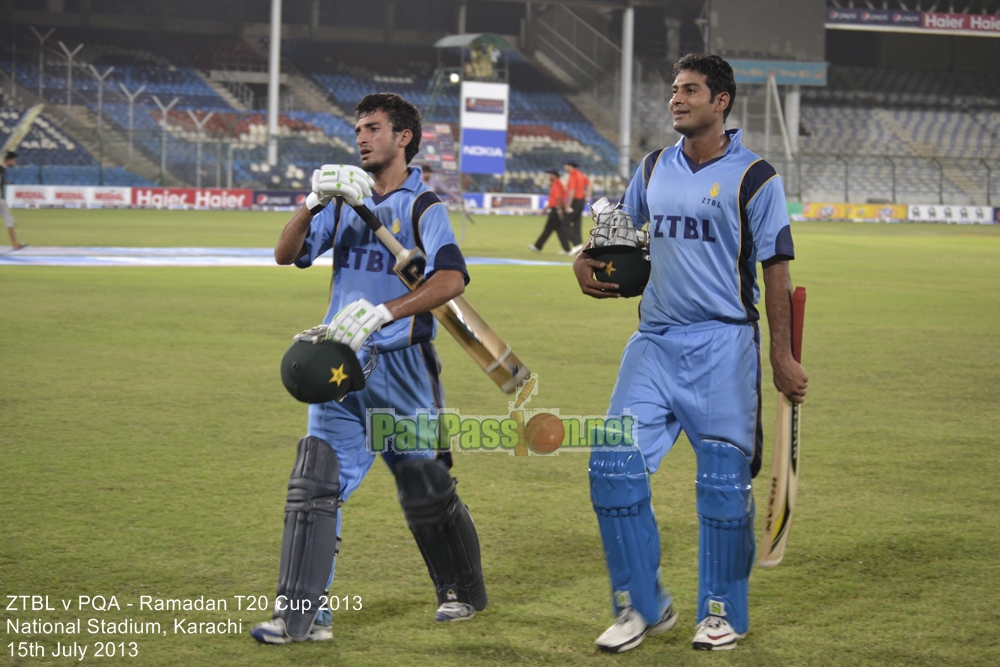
<point x="715" y="209"/>
<point x="369" y="306"/>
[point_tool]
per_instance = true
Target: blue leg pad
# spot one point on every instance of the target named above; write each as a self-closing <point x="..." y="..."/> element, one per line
<point x="619" y="490"/>
<point x="727" y="547"/>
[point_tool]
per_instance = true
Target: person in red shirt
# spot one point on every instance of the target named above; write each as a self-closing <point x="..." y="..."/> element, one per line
<point x="557" y="202"/>
<point x="578" y="191"/>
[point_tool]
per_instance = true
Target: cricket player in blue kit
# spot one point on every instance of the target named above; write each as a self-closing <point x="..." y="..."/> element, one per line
<point x="368" y="302"/>
<point x="715" y="209"/>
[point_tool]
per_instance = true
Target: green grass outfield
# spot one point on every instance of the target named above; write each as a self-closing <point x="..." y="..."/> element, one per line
<point x="146" y="440"/>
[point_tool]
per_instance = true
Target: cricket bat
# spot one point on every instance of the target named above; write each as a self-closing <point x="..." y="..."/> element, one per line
<point x="493" y="355"/>
<point x="785" y="463"/>
<point x="21" y="130"/>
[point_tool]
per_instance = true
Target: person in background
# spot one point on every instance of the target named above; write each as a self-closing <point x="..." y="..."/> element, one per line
<point x="556" y="204"/>
<point x="578" y="192"/>
<point x="9" y="160"/>
<point x="439" y="186"/>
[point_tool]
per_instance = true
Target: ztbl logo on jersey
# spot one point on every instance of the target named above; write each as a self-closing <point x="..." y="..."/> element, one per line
<point x="714" y="192"/>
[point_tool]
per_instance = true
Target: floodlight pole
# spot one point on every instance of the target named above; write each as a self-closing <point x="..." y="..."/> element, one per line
<point x="625" y="103"/>
<point x="989" y="182"/>
<point x="199" y="125"/>
<point x="131" y="113"/>
<point x="69" y="74"/>
<point x="41" y="56"/>
<point x="773" y="86"/>
<point x="273" y="83"/>
<point x="163" y="135"/>
<point x="13" y="68"/>
<point x="100" y="92"/>
<point x="767" y="119"/>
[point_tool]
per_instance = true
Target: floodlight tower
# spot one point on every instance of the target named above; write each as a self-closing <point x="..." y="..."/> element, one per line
<point x="273" y="83"/>
<point x="471" y="65"/>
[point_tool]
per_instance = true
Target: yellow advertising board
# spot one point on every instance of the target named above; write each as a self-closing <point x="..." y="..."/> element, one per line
<point x="854" y="212"/>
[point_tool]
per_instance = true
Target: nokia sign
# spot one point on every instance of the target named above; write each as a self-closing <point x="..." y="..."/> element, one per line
<point x="483" y="151"/>
<point x="483" y="116"/>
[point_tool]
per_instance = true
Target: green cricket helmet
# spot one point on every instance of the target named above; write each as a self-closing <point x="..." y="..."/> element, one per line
<point x="625" y="266"/>
<point x="321" y="372"/>
<point x="619" y="240"/>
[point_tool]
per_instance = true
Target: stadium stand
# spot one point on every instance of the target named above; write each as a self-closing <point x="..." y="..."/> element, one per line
<point x="545" y="130"/>
<point x="868" y="133"/>
<point x="916" y="135"/>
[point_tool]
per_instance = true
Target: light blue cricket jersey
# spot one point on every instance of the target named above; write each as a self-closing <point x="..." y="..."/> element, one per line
<point x="709" y="226"/>
<point x="362" y="266"/>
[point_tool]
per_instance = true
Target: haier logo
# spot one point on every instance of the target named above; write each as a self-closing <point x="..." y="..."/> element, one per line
<point x="483" y="151"/>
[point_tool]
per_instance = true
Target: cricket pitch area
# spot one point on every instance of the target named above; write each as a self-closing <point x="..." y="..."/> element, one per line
<point x="146" y="442"/>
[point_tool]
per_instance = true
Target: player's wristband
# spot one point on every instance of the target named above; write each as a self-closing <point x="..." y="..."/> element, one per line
<point x="313" y="203"/>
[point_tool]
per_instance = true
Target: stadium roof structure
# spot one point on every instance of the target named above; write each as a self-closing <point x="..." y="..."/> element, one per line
<point x="468" y="40"/>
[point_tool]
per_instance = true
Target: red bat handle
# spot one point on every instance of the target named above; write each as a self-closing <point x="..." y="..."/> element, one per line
<point x="798" y="319"/>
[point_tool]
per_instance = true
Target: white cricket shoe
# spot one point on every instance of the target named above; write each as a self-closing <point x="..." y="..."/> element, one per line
<point x="454" y="611"/>
<point x="533" y="248"/>
<point x="630" y="629"/>
<point x="273" y="632"/>
<point x="715" y="634"/>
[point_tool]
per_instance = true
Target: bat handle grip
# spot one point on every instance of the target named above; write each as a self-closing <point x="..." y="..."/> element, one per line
<point x="369" y="218"/>
<point x="798" y="319"/>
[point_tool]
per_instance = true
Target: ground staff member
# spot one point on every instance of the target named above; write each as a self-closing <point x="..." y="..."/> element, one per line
<point x="715" y="210"/>
<point x="554" y="223"/>
<point x="578" y="193"/>
<point x="369" y="301"/>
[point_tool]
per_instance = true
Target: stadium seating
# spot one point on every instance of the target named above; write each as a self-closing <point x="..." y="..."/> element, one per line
<point x="886" y="131"/>
<point x="47" y="144"/>
<point x="921" y="136"/>
<point x="532" y="113"/>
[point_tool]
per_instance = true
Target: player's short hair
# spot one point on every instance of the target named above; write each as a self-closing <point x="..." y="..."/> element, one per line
<point x="717" y="72"/>
<point x="402" y="115"/>
<point x="11" y="155"/>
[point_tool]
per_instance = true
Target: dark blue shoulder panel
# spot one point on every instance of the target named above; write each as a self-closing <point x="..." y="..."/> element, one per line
<point x="759" y="173"/>
<point x="648" y="164"/>
<point x="421" y="203"/>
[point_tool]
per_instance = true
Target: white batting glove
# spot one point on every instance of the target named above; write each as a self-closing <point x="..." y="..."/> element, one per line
<point x="316" y="335"/>
<point x="357" y="321"/>
<point x="338" y="180"/>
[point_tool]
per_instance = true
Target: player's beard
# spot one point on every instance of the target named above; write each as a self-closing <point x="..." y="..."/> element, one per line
<point x="379" y="161"/>
<point x="374" y="166"/>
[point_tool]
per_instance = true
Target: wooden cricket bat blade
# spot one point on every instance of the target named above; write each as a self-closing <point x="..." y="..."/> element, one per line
<point x="784" y="484"/>
<point x="484" y="345"/>
<point x="785" y="462"/>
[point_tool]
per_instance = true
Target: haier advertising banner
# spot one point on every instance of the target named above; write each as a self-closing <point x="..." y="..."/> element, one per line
<point x="483" y="116"/>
